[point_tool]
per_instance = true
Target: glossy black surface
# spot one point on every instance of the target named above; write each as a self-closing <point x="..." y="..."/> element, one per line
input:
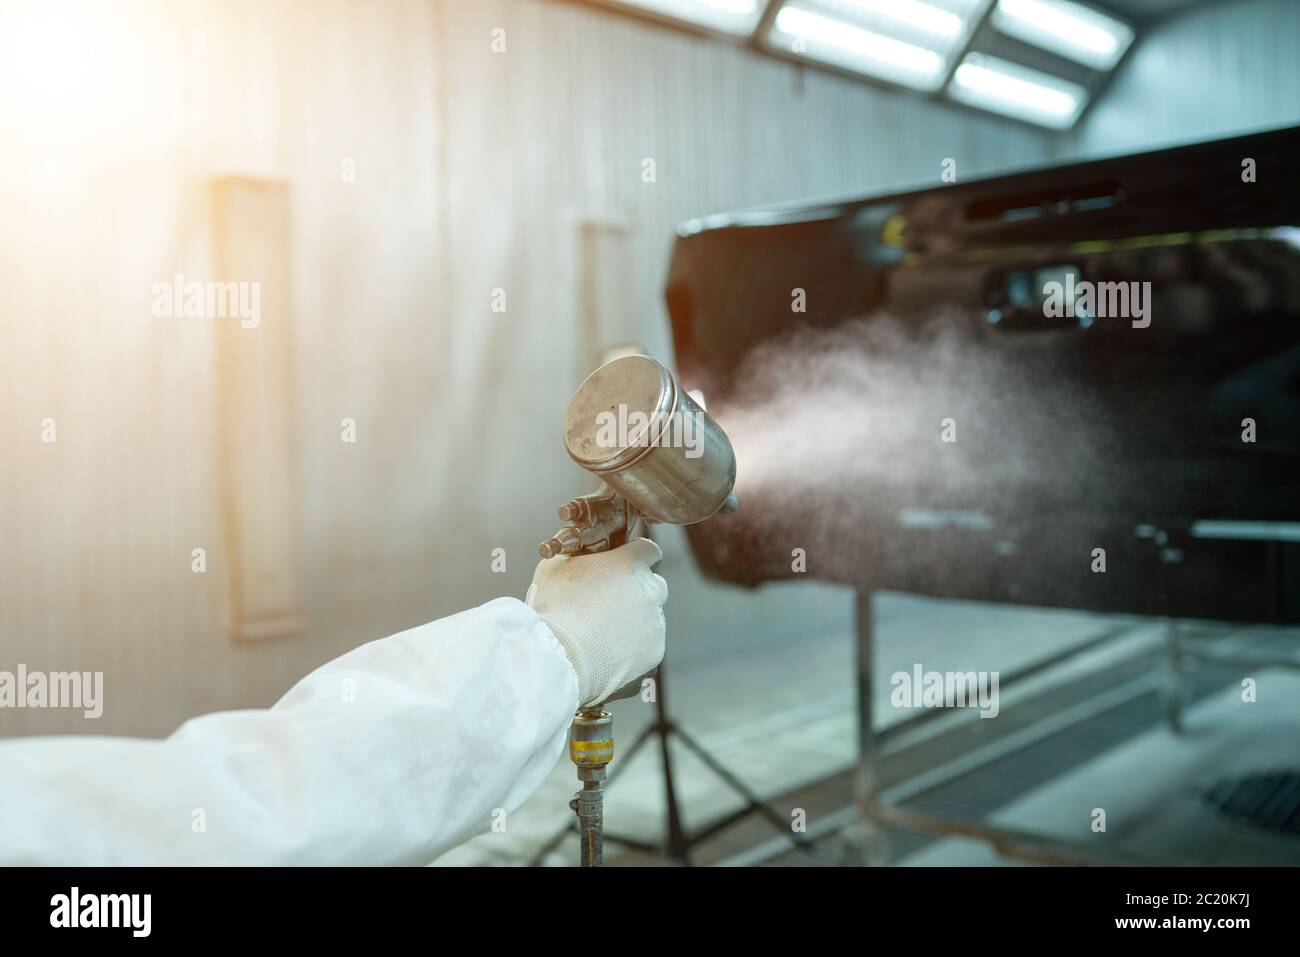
<point x="1079" y="432"/>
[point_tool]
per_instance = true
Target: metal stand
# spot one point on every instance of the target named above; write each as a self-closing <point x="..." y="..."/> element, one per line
<point x="677" y="843"/>
<point x="1175" y="688"/>
<point x="865" y="839"/>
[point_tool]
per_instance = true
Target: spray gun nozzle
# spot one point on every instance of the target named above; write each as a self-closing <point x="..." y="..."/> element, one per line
<point x="567" y="541"/>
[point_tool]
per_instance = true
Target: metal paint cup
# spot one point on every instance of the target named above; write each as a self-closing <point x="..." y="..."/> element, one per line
<point x="635" y="427"/>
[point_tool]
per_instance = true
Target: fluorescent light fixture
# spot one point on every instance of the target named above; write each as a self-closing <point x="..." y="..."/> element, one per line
<point x="840" y="43"/>
<point x="1001" y="86"/>
<point x="738" y="17"/>
<point x="911" y="13"/>
<point x="1065" y="28"/>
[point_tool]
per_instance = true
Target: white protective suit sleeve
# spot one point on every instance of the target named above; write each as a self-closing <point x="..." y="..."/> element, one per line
<point x="391" y="754"/>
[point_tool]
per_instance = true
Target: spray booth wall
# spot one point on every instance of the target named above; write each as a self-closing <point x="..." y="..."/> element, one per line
<point x="1219" y="69"/>
<point x="387" y="179"/>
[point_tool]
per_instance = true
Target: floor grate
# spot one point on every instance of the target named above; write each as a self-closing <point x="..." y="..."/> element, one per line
<point x="1270" y="800"/>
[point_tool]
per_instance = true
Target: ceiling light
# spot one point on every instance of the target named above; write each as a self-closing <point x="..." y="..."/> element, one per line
<point x="840" y="43"/>
<point x="1013" y="90"/>
<point x="738" y="17"/>
<point x="1065" y="28"/>
<point x="912" y="13"/>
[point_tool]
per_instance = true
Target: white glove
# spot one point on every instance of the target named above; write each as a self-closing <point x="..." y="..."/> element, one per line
<point x="606" y="610"/>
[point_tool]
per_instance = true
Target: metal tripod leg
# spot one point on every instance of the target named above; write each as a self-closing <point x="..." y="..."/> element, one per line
<point x="678" y="842"/>
<point x="1175" y="687"/>
<point x="865" y="838"/>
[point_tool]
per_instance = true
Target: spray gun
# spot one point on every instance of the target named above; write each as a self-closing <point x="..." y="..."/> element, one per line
<point x="596" y="523"/>
<point x="660" y="458"/>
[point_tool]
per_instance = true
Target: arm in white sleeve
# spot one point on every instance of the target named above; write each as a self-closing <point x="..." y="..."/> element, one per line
<point x="392" y="754"/>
